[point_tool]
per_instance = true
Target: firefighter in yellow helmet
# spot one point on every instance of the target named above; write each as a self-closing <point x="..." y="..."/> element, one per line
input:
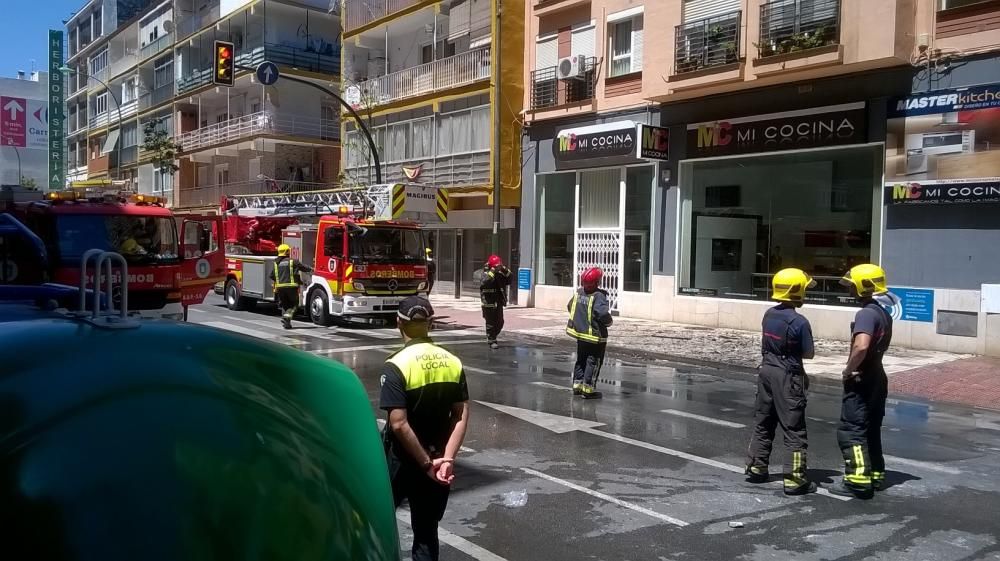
<point x="865" y="384"/>
<point x="781" y="383"/>
<point x="286" y="283"/>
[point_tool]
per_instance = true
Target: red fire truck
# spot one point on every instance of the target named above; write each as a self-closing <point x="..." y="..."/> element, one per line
<point x="365" y="246"/>
<point x="173" y="260"/>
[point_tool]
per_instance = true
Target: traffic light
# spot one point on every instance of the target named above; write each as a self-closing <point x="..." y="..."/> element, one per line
<point x="225" y="64"/>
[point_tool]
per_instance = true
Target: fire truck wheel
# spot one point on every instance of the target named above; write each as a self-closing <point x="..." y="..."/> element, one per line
<point x="319" y="307"/>
<point x="234" y="297"/>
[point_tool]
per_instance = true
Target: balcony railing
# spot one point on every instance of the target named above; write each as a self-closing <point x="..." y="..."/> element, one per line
<point x="325" y="63"/>
<point x="160" y="95"/>
<point x="129" y="155"/>
<point x="548" y="91"/>
<point x="263" y="123"/>
<point x="451" y="72"/>
<point x="210" y="195"/>
<point x="708" y="42"/>
<point x="790" y="26"/>
<point x="156" y="47"/>
<point x="358" y="13"/>
<point x="195" y="22"/>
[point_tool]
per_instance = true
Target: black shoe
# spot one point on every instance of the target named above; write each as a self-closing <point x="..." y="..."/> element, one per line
<point x="494" y="345"/>
<point x="286" y="323"/>
<point x="878" y="485"/>
<point x="804" y="489"/>
<point x="842" y="490"/>
<point x="756" y="475"/>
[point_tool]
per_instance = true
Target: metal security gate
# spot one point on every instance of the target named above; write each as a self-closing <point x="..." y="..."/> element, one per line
<point x="602" y="249"/>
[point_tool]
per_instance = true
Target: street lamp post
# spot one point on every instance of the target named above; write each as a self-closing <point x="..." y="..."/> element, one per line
<point x="118" y="106"/>
<point x="20" y="177"/>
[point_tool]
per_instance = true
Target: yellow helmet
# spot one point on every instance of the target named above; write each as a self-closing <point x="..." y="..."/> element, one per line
<point x="284" y="249"/>
<point x="789" y="285"/>
<point x="866" y="279"/>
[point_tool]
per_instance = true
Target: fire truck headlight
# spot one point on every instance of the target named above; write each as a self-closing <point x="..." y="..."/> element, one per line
<point x="359" y="285"/>
<point x="422" y="286"/>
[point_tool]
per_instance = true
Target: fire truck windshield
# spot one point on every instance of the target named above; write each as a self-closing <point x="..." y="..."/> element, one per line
<point x="142" y="240"/>
<point x="382" y="244"/>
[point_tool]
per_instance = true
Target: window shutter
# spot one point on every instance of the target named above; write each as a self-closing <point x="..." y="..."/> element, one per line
<point x="546" y="54"/>
<point x="479" y="20"/>
<point x="701" y="9"/>
<point x="637" y="44"/>
<point x="459" y="19"/>
<point x="583" y="42"/>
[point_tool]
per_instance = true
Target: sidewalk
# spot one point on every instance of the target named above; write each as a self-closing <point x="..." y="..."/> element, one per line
<point x="933" y="375"/>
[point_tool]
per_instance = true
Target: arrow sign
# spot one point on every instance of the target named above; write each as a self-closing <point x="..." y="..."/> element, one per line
<point x="14" y="108"/>
<point x="267" y="73"/>
<point x="561" y="425"/>
<point x="13" y="125"/>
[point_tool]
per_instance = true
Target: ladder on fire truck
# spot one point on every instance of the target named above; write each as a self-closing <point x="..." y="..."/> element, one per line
<point x="373" y="200"/>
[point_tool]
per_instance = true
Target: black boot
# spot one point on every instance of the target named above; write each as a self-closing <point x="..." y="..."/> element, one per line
<point x="756" y="475"/>
<point x="843" y="490"/>
<point x="804" y="489"/>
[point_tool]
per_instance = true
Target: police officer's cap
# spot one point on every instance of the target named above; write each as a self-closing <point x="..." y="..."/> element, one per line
<point x="415" y="308"/>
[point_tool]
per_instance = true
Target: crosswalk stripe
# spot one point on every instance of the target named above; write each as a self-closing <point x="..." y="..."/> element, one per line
<point x="252" y="332"/>
<point x="316" y="333"/>
<point x="714" y="421"/>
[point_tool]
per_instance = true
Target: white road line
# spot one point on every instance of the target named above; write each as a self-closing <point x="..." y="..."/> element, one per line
<point x="253" y="332"/>
<point x="608" y="498"/>
<point x="306" y="332"/>
<point x="922" y="465"/>
<point x="377" y="333"/>
<point x="720" y="422"/>
<point x="391" y="348"/>
<point x="689" y="457"/>
<point x="552" y="386"/>
<point x="458" y="542"/>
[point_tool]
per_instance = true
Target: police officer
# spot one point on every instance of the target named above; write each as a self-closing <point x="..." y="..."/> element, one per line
<point x="425" y="394"/>
<point x="589" y="318"/>
<point x="865" y="385"/>
<point x="286" y="283"/>
<point x="786" y="339"/>
<point x="493" y="296"/>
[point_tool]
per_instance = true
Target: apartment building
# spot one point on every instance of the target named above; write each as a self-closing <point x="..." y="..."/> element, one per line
<point x="744" y="136"/>
<point x="151" y="65"/>
<point x="421" y="75"/>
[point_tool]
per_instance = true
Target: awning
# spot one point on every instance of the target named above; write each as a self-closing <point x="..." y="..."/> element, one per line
<point x="111" y="142"/>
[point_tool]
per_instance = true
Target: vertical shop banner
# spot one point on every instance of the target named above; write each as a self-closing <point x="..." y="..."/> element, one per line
<point x="55" y="112"/>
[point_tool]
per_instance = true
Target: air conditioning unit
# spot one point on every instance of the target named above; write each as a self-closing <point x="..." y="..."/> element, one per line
<point x="571" y="68"/>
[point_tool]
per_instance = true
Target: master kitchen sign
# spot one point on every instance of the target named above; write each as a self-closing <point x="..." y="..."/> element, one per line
<point x="809" y="128"/>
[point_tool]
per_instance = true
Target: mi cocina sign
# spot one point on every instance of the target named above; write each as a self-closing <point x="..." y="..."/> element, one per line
<point x="947" y="192"/>
<point x="809" y="128"/>
<point x="619" y="140"/>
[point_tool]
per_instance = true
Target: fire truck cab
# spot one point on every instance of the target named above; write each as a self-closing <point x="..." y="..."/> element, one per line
<point x="362" y="267"/>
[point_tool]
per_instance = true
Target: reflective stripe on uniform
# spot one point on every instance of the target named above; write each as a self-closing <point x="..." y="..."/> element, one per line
<point x="797" y="477"/>
<point x="291" y="276"/>
<point x="589" y="335"/>
<point x="423" y="364"/>
<point x="858" y="477"/>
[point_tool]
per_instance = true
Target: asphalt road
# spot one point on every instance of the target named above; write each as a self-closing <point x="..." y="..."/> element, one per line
<point x="654" y="470"/>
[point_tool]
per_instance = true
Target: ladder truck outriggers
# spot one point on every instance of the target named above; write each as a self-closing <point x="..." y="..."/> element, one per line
<point x="365" y="246"/>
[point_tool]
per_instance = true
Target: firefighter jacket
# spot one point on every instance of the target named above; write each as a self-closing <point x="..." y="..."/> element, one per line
<point x="589" y="316"/>
<point x="286" y="272"/>
<point x="492" y="288"/>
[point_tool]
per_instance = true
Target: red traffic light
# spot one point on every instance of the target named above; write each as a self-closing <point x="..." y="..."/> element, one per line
<point x="224" y="64"/>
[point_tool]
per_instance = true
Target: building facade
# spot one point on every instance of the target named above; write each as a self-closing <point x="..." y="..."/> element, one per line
<point x="154" y="61"/>
<point x="420" y="74"/>
<point x="817" y="134"/>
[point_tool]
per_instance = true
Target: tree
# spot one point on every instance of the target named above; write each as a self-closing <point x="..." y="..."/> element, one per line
<point x="157" y="141"/>
<point x="29" y="183"/>
<point x="354" y="146"/>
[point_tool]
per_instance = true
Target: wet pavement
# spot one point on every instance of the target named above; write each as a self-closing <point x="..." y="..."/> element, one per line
<point x="653" y="471"/>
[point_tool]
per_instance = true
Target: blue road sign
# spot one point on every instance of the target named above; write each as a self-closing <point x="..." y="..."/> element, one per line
<point x="267" y="73"/>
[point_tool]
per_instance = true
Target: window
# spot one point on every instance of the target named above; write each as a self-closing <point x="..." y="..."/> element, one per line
<point x="421" y="141"/>
<point x="98" y="23"/>
<point x="101" y="104"/>
<point x="130" y="90"/>
<point x="744" y="219"/>
<point x="130" y="135"/>
<point x="163" y="182"/>
<point x="481" y="128"/>
<point x="638" y="218"/>
<point x="396" y="149"/>
<point x="99" y="62"/>
<point x="546" y="52"/>
<point x="626" y="46"/>
<point x="163" y="70"/>
<point x="222" y="174"/>
<point x="600" y="198"/>
<point x="333" y="242"/>
<point x="949" y="4"/>
<point x="556" y="240"/>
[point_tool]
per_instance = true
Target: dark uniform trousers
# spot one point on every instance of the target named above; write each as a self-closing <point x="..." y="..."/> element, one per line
<point x="288" y="301"/>
<point x="860" y="431"/>
<point x="428" y="501"/>
<point x="493" y="314"/>
<point x="589" y="360"/>
<point x="781" y="400"/>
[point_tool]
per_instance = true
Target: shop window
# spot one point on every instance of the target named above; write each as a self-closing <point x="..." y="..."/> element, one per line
<point x="744" y="219"/>
<point x="556" y="243"/>
<point x="600" y="198"/>
<point x="638" y="213"/>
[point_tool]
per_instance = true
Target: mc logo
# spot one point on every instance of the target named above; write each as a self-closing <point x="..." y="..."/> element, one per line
<point x="717" y="135"/>
<point x="907" y="191"/>
<point x="567" y="143"/>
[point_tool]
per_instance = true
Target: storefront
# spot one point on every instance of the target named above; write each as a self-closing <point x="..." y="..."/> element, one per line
<point x="592" y="196"/>
<point x="761" y="193"/>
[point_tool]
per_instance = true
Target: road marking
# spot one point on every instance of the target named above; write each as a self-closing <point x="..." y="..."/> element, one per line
<point x="377" y="333"/>
<point x="720" y="422"/>
<point x="457" y="542"/>
<point x="253" y="333"/>
<point x="923" y="465"/>
<point x="306" y="332"/>
<point x="608" y="498"/>
<point x="393" y="348"/>
<point x="552" y="386"/>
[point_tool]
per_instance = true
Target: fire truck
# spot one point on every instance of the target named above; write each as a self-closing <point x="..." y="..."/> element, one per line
<point x="365" y="247"/>
<point x="173" y="260"/>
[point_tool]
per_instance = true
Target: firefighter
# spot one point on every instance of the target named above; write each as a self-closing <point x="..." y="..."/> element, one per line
<point x="493" y="297"/>
<point x="865" y="385"/>
<point x="286" y="283"/>
<point x="431" y="270"/>
<point x="426" y="397"/>
<point x="786" y="340"/>
<point x="589" y="318"/>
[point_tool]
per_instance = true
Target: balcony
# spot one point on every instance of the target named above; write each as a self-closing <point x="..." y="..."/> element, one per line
<point x="156" y="47"/>
<point x="707" y="43"/>
<point x="263" y="123"/>
<point x="160" y="95"/>
<point x="99" y="165"/>
<point x="440" y="75"/>
<point x="547" y="91"/>
<point x="311" y="61"/>
<point x="790" y="27"/>
<point x="195" y="22"/>
<point x="359" y="13"/>
<point x="210" y="195"/>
